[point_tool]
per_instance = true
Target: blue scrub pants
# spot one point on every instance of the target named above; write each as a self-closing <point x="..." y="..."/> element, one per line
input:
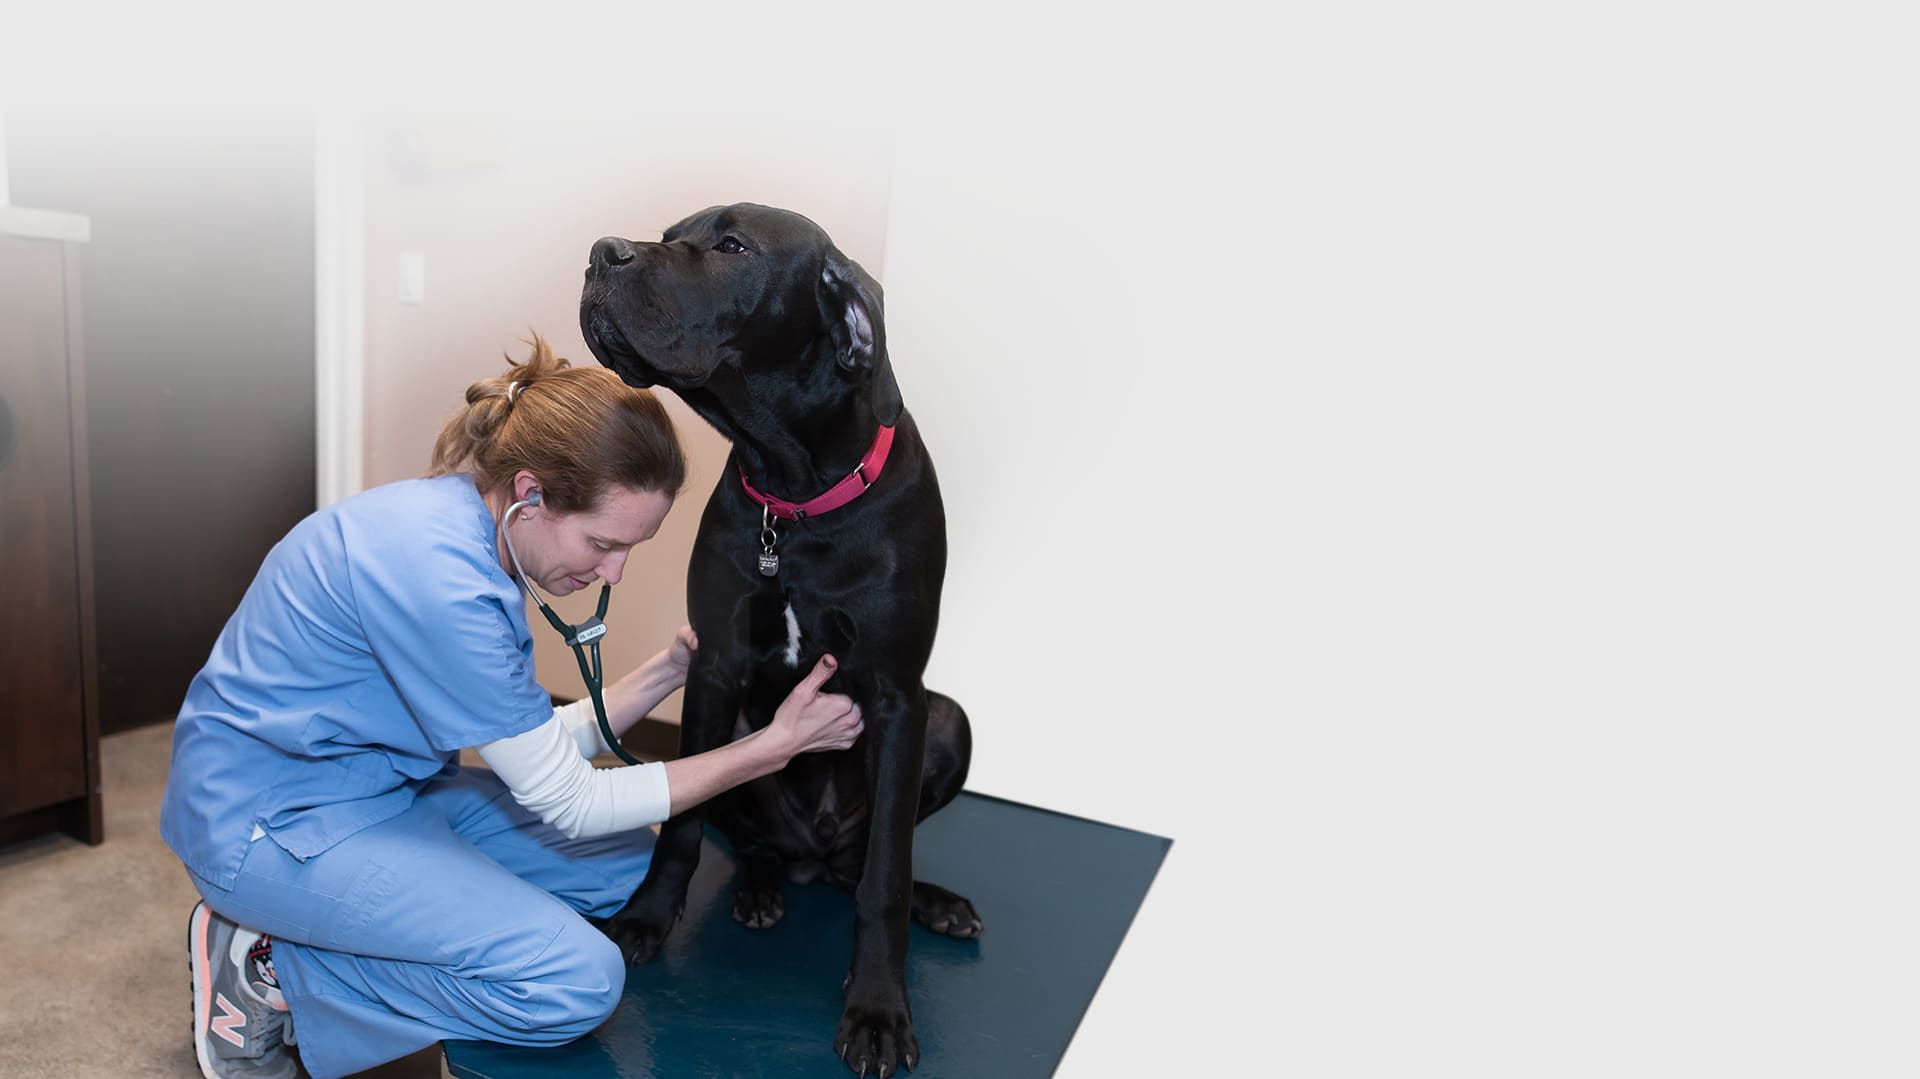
<point x="460" y="918"/>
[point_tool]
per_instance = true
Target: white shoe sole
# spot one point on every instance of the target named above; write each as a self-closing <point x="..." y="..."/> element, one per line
<point x="201" y="977"/>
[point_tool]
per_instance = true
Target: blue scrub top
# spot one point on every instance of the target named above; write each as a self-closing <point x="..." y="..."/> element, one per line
<point x="379" y="638"/>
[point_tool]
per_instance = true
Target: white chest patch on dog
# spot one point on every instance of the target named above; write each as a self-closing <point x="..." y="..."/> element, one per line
<point x="793" y="638"/>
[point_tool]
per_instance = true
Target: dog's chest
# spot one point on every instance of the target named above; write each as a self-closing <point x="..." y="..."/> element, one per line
<point x="790" y="626"/>
<point x="790" y="652"/>
<point x="777" y="637"/>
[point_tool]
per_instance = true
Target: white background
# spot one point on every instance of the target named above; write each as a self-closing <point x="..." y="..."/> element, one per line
<point x="1451" y="467"/>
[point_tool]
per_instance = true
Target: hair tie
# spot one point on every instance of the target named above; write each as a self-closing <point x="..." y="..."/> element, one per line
<point x="513" y="390"/>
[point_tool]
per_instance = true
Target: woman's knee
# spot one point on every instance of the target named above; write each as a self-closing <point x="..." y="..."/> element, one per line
<point x="580" y="978"/>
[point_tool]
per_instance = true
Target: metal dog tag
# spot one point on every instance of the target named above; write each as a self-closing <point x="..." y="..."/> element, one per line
<point x="769" y="562"/>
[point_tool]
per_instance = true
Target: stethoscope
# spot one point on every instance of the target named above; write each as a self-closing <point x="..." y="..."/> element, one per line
<point x="582" y="638"/>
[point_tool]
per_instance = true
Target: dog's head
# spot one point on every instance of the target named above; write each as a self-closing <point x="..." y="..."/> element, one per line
<point x="745" y="293"/>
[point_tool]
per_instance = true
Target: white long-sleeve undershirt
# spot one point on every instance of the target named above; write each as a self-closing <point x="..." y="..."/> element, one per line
<point x="582" y="727"/>
<point x="546" y="769"/>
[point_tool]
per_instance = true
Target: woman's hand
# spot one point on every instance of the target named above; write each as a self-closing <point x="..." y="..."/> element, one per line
<point x="635" y="696"/>
<point x="810" y="721"/>
<point x="806" y="722"/>
<point x="678" y="657"/>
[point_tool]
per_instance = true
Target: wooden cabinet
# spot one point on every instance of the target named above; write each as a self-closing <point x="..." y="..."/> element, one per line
<point x="49" y="699"/>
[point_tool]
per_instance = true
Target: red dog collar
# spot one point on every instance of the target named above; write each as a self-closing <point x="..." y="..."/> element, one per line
<point x="861" y="478"/>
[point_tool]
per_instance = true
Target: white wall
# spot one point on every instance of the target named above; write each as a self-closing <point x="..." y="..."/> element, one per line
<point x="4" y="199"/>
<point x="1449" y="469"/>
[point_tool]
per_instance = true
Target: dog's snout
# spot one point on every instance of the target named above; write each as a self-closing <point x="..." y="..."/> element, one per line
<point x="611" y="251"/>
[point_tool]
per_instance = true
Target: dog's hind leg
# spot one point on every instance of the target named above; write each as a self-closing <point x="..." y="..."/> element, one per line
<point x="944" y="912"/>
<point x="756" y="880"/>
<point x="949" y="751"/>
<point x="756" y="892"/>
<point x="746" y="816"/>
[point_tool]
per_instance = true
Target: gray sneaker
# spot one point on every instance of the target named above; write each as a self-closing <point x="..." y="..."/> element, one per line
<point x="241" y="1026"/>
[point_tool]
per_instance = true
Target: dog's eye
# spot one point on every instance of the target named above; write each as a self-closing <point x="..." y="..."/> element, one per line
<point x="730" y="245"/>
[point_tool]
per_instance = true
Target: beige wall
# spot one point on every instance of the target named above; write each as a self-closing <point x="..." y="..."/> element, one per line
<point x="504" y="208"/>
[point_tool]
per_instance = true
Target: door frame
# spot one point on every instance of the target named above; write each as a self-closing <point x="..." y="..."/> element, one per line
<point x="339" y="221"/>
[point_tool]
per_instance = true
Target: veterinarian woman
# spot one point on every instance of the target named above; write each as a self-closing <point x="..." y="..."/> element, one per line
<point x="364" y="896"/>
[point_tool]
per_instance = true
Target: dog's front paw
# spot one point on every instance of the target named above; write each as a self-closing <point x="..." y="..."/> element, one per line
<point x="638" y="937"/>
<point x="877" y="1040"/>
<point x="944" y="912"/>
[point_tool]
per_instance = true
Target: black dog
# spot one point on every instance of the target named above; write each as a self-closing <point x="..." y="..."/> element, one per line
<point x="766" y="330"/>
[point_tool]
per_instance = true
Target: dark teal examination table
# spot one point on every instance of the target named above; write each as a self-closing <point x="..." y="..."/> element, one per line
<point x="1056" y="893"/>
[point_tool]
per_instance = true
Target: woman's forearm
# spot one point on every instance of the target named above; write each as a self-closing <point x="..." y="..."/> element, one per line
<point x="692" y="780"/>
<point x="635" y="696"/>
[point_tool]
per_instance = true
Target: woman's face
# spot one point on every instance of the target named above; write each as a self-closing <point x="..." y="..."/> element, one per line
<point x="565" y="552"/>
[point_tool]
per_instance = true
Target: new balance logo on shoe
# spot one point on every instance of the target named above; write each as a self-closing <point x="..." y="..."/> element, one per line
<point x="226" y="1026"/>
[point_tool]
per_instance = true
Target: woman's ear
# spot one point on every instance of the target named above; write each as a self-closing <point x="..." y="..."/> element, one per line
<point x="526" y="488"/>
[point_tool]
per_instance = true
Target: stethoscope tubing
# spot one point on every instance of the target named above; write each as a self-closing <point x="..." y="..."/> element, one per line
<point x="582" y="639"/>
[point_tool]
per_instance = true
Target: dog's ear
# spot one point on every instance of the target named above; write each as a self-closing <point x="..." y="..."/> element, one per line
<point x="851" y="311"/>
